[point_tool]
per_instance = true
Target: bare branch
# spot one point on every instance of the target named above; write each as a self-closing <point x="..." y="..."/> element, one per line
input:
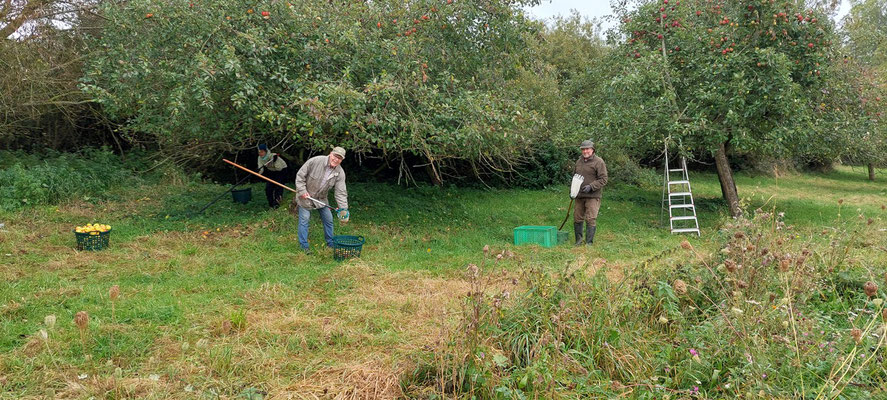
<point x="7" y="8"/>
<point x="29" y="11"/>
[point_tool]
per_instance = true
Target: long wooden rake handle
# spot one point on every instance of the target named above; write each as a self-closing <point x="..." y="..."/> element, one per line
<point x="228" y="191"/>
<point x="342" y="216"/>
<point x="261" y="176"/>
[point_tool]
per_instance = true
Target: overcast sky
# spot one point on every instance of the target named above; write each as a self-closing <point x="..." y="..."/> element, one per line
<point x="600" y="8"/>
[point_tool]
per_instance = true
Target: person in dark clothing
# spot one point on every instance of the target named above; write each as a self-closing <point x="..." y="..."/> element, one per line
<point x="272" y="166"/>
<point x="588" y="201"/>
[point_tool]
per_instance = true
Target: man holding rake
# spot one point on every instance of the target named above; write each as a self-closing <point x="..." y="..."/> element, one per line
<point x="313" y="182"/>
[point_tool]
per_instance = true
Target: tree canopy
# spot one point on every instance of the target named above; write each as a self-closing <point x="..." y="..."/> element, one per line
<point x="428" y="78"/>
<point x="865" y="63"/>
<point x="458" y="87"/>
<point x="713" y="75"/>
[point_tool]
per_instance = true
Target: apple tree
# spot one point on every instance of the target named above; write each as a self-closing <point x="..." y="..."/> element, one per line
<point x="718" y="76"/>
<point x="865" y="49"/>
<point x="424" y="78"/>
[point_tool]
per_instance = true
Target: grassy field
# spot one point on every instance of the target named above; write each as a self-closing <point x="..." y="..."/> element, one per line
<point x="225" y="304"/>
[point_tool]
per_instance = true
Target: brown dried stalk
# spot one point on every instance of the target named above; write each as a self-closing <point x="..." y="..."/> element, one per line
<point x="81" y="319"/>
<point x="114" y="293"/>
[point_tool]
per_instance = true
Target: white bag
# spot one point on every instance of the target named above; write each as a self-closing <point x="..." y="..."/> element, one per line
<point x="576" y="185"/>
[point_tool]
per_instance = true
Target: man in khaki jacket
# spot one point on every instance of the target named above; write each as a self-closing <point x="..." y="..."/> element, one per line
<point x="588" y="201"/>
<point x="315" y="179"/>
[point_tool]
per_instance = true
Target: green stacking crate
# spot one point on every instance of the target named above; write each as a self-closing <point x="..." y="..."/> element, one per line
<point x="545" y="236"/>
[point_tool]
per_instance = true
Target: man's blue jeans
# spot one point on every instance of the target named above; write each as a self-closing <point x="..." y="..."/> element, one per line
<point x="325" y="216"/>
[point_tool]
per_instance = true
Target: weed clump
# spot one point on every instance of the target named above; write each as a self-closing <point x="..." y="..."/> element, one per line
<point x="766" y="316"/>
<point x="28" y="180"/>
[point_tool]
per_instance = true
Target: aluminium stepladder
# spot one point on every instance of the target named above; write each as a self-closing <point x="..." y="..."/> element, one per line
<point x="677" y="195"/>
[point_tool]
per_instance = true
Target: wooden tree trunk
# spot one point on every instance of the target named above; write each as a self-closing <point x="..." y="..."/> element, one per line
<point x="725" y="176"/>
<point x="872" y="172"/>
<point x="432" y="173"/>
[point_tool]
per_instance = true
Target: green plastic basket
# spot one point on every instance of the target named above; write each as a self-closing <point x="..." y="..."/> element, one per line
<point x="89" y="242"/>
<point x="545" y="236"/>
<point x="346" y="246"/>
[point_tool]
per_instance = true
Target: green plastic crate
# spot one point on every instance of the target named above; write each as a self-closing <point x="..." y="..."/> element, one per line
<point x="545" y="236"/>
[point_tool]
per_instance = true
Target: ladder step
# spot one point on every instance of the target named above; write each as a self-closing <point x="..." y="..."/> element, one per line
<point x="680" y="194"/>
<point x="679" y="182"/>
<point x="676" y="170"/>
<point x="685" y="230"/>
<point x="687" y="218"/>
<point x="681" y="206"/>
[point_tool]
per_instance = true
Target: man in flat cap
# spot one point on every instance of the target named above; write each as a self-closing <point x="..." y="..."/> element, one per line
<point x="588" y="201"/>
<point x="315" y="179"/>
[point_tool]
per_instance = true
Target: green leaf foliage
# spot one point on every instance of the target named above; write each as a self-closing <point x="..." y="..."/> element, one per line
<point x="753" y="74"/>
<point x="425" y="78"/>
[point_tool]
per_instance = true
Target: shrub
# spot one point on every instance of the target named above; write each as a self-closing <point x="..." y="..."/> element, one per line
<point x="623" y="170"/>
<point x="547" y="165"/>
<point x="550" y="164"/>
<point x="32" y="179"/>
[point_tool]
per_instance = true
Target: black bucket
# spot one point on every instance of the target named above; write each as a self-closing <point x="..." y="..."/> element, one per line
<point x="242" y="196"/>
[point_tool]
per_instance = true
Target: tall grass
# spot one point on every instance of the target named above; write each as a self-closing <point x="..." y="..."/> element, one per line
<point x="770" y="313"/>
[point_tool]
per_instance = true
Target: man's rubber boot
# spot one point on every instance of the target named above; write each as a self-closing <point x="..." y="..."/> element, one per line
<point x="577" y="230"/>
<point x="589" y="234"/>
